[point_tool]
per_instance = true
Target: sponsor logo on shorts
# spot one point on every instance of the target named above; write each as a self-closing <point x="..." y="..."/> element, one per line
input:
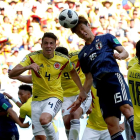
<point x="56" y="65"/>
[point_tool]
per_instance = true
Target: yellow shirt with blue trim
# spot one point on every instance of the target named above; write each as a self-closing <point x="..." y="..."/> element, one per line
<point x="68" y="85"/>
<point x="47" y="81"/>
<point x="96" y="120"/>
<point x="134" y="89"/>
<point x="25" y="110"/>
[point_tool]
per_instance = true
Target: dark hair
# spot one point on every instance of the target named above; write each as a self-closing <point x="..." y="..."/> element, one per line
<point x="62" y="50"/>
<point x="49" y="35"/>
<point x="138" y="46"/>
<point x="81" y="20"/>
<point x="26" y="88"/>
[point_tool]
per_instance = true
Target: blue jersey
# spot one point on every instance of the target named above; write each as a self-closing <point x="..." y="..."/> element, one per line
<point x="7" y="125"/>
<point x="97" y="57"/>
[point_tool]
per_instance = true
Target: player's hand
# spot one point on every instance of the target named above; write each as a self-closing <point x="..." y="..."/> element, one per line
<point x="9" y="96"/>
<point x="89" y="110"/>
<point x="75" y="105"/>
<point x="121" y="126"/>
<point x="34" y="67"/>
<point x="117" y="56"/>
<point x="24" y="125"/>
<point x="82" y="96"/>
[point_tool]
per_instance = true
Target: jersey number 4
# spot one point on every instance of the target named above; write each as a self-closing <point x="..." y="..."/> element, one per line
<point x="135" y="91"/>
<point x="48" y="75"/>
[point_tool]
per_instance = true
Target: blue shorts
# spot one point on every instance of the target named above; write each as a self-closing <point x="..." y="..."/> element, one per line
<point x="113" y="92"/>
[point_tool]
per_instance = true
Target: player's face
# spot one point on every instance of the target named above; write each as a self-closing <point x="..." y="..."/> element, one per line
<point x="48" y="45"/>
<point x="23" y="96"/>
<point x="84" y="32"/>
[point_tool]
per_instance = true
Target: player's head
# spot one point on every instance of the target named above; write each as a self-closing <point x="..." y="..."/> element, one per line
<point x="138" y="50"/>
<point x="24" y="93"/>
<point x="82" y="29"/>
<point x="48" y="44"/>
<point x="62" y="50"/>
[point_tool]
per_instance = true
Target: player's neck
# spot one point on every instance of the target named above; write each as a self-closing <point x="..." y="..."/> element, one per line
<point x="49" y="56"/>
<point x="90" y="40"/>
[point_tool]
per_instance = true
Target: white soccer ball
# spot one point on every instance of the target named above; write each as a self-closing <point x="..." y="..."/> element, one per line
<point x="68" y="18"/>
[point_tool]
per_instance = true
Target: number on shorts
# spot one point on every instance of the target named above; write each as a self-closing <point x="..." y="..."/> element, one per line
<point x="50" y="104"/>
<point x="117" y="97"/>
<point x="66" y="75"/>
<point x="49" y="76"/>
<point x="136" y="95"/>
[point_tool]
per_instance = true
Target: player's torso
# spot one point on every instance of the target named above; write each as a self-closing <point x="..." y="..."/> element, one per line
<point x="26" y="107"/>
<point x="68" y="85"/>
<point x="99" y="56"/>
<point x="134" y="88"/>
<point x="47" y="81"/>
<point x="96" y="120"/>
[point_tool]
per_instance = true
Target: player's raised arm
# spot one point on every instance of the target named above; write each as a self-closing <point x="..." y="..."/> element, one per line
<point x="77" y="80"/>
<point x="122" y="53"/>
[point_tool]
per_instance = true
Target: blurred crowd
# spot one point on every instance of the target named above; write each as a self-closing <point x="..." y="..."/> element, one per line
<point x="23" y="22"/>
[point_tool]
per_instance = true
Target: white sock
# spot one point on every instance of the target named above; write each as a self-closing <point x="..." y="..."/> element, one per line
<point x="50" y="132"/>
<point x="74" y="129"/>
<point x="67" y="132"/>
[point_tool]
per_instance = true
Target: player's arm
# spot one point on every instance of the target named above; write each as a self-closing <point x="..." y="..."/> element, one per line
<point x="14" y="116"/>
<point x="21" y="119"/>
<point x="122" y="53"/>
<point x="14" y="100"/>
<point x="87" y="87"/>
<point x="19" y="69"/>
<point x="77" y="80"/>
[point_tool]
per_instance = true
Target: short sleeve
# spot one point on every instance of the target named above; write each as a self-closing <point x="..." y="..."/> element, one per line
<point x="4" y="104"/>
<point x="68" y="66"/>
<point x="112" y="41"/>
<point x="25" y="61"/>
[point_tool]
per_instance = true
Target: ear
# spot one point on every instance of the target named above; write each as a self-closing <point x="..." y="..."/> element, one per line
<point x="89" y="25"/>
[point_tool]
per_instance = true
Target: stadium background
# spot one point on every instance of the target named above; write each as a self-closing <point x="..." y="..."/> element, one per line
<point x="23" y="22"/>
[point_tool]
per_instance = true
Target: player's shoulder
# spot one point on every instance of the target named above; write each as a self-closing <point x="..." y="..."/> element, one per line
<point x="101" y="35"/>
<point x="35" y="53"/>
<point x="61" y="55"/>
<point x="73" y="53"/>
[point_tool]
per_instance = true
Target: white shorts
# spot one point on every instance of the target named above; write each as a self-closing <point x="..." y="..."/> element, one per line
<point x="91" y="134"/>
<point x="51" y="106"/>
<point x="69" y="100"/>
<point x="43" y="133"/>
<point x="137" y="136"/>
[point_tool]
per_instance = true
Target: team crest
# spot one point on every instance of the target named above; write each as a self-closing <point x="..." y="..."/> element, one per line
<point x="56" y="65"/>
<point x="99" y="46"/>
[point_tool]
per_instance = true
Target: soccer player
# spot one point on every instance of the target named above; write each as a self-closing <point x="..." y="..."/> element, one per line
<point x="8" y="117"/>
<point x="97" y="60"/>
<point x="70" y="93"/>
<point x="25" y="96"/>
<point x="46" y="66"/>
<point x="96" y="128"/>
<point x="134" y="88"/>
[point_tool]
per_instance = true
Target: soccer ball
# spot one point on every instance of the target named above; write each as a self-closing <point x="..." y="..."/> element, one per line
<point x="68" y="18"/>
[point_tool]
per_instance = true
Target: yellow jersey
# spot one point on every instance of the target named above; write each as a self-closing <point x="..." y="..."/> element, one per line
<point x="134" y="89"/>
<point x="68" y="85"/>
<point x="96" y="120"/>
<point x="133" y="61"/>
<point x="25" y="109"/>
<point x="47" y="81"/>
